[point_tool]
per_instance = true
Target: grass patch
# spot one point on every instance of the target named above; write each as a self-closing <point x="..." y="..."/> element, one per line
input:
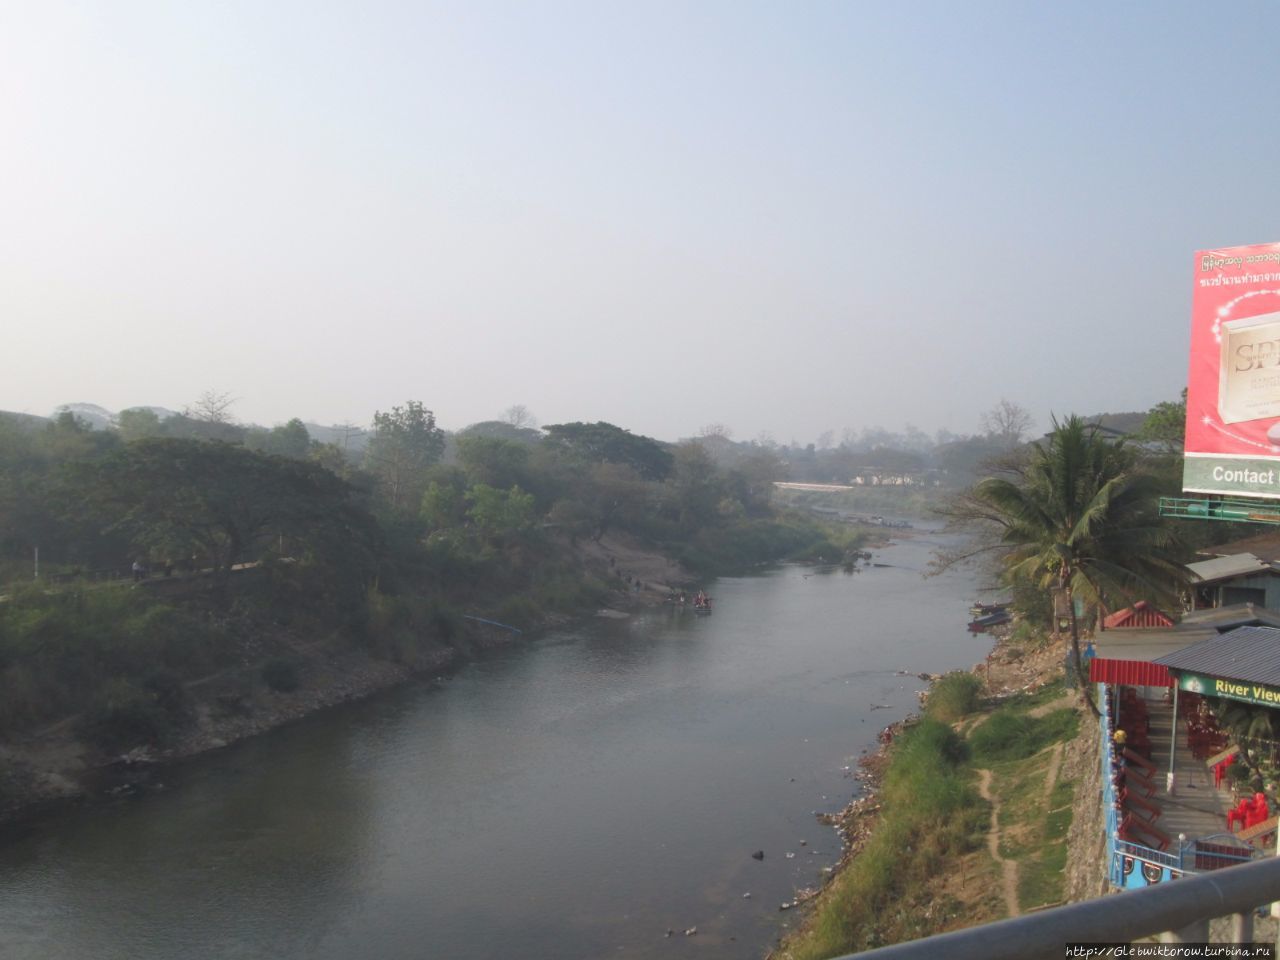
<point x="1015" y="735"/>
<point x="954" y="697"/>
<point x="931" y="815"/>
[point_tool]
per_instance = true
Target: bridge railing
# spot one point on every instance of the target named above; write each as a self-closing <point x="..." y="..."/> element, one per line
<point x="1180" y="910"/>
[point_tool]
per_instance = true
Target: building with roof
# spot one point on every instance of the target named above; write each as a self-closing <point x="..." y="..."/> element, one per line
<point x="1167" y="795"/>
<point x="1243" y="664"/>
<point x="1140" y="616"/>
<point x="1235" y="578"/>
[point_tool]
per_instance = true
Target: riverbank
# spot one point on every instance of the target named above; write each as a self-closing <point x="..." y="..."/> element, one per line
<point x="54" y="764"/>
<point x="1009" y="780"/>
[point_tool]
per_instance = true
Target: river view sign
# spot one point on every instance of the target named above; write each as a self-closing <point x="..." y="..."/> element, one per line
<point x="1243" y="690"/>
<point x="1233" y="383"/>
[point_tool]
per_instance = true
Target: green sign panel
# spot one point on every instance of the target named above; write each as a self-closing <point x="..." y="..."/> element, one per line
<point x="1231" y="689"/>
<point x="1248" y="476"/>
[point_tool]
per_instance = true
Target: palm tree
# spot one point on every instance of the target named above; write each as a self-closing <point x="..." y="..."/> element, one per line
<point x="1083" y="520"/>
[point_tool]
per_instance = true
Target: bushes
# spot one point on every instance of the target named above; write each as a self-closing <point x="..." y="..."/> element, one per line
<point x="280" y="675"/>
<point x="953" y="697"/>
<point x="1010" y="734"/>
<point x="930" y="813"/>
<point x="126" y="714"/>
<point x="743" y="543"/>
<point x="57" y="650"/>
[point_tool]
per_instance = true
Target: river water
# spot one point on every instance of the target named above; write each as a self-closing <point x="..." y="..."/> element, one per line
<point x="576" y="796"/>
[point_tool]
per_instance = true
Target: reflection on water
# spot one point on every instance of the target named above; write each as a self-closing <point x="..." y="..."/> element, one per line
<point x="575" y="797"/>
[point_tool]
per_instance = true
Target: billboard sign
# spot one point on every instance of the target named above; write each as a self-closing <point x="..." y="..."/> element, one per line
<point x="1233" y="385"/>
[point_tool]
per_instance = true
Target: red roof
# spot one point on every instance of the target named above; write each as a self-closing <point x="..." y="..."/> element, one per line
<point x="1129" y="673"/>
<point x="1141" y="614"/>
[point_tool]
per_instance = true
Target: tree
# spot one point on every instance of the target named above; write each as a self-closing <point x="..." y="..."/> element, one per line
<point x="137" y="423"/>
<point x="520" y="417"/>
<point x="444" y="502"/>
<point x="403" y="445"/>
<point x="499" y="463"/>
<point x="604" y="443"/>
<point x="223" y="502"/>
<point x="1007" y="423"/>
<point x="500" y="514"/>
<point x="1166" y="425"/>
<point x="616" y="493"/>
<point x="289" y="440"/>
<point x="697" y="486"/>
<point x="213" y="406"/>
<point x="1082" y="520"/>
<point x="752" y="479"/>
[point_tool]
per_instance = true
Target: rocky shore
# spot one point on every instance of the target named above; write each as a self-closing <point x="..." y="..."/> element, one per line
<point x="1007" y="670"/>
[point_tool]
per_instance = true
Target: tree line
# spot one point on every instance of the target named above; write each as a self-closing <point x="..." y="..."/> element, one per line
<point x="251" y="533"/>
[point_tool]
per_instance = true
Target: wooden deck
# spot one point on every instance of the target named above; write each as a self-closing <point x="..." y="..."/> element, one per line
<point x="1196" y="808"/>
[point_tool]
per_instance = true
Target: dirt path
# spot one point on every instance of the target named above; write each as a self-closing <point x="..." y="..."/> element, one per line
<point x="1008" y="868"/>
<point x="1051" y="775"/>
<point x="1066" y="700"/>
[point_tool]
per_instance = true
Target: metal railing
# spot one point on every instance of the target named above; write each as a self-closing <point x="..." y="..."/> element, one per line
<point x="1181" y="910"/>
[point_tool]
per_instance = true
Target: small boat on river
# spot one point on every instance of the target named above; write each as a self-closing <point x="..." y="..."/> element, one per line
<point x="982" y="624"/>
<point x="985" y="609"/>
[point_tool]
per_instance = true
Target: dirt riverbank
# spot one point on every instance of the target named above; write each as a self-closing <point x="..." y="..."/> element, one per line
<point x="54" y="765"/>
<point x="983" y="885"/>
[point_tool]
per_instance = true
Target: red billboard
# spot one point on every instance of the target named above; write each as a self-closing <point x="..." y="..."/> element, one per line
<point x="1233" y="385"/>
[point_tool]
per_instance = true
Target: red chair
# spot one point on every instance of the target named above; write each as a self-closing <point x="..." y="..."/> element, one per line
<point x="1220" y="771"/>
<point x="1238" y="813"/>
<point x="1257" y="811"/>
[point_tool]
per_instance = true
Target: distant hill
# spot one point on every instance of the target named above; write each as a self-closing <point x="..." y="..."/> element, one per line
<point x="97" y="417"/>
<point x="100" y="418"/>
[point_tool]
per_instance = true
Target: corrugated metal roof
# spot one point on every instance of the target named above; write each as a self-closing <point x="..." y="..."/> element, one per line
<point x="1141" y="614"/>
<point x="1147" y="644"/>
<point x="1130" y="673"/>
<point x="1220" y="568"/>
<point x="1232" y="616"/>
<point x="1245" y="653"/>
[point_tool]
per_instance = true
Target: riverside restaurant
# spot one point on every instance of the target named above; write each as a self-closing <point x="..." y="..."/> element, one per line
<point x="1189" y="762"/>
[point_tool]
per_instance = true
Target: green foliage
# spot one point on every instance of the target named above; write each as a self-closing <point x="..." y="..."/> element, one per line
<point x="444" y="503"/>
<point x="1165" y="425"/>
<point x="138" y="423"/>
<point x="224" y="504"/>
<point x="58" y="649"/>
<point x="518" y="611"/>
<point x="1014" y="735"/>
<point x="493" y="461"/>
<point x="930" y="813"/>
<point x="287" y="440"/>
<point x="281" y="675"/>
<point x="954" y="697"/>
<point x="402" y="447"/>
<point x="1081" y="518"/>
<point x="124" y="714"/>
<point x="500" y="514"/>
<point x="602" y="442"/>
<point x="743" y="544"/>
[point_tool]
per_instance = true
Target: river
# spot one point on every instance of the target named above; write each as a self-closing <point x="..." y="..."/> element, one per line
<point x="576" y="796"/>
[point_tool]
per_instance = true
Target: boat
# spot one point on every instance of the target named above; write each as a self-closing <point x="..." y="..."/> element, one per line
<point x="982" y="624"/>
<point x="985" y="609"/>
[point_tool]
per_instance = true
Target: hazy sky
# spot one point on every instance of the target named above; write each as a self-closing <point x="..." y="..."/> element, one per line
<point x="785" y="217"/>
